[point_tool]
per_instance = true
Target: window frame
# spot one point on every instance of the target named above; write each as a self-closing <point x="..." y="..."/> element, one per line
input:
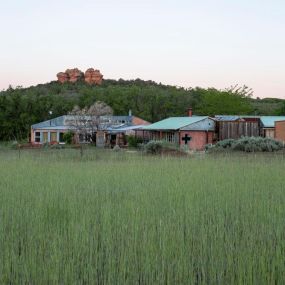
<point x="37" y="137"/>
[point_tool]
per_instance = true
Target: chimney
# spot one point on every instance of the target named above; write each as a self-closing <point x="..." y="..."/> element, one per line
<point x="130" y="113"/>
<point x="190" y="113"/>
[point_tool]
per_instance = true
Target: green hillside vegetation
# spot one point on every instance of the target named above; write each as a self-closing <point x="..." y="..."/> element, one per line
<point x="268" y="106"/>
<point x="21" y="107"/>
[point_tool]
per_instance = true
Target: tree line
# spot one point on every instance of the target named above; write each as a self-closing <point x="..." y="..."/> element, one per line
<point x="22" y="107"/>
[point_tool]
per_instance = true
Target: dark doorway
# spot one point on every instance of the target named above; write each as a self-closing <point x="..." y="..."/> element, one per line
<point x="113" y="140"/>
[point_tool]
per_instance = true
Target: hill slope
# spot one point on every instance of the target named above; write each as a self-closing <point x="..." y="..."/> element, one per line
<point x="21" y="107"/>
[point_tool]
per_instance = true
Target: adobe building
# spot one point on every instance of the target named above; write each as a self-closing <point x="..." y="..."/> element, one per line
<point x="269" y="124"/>
<point x="104" y="131"/>
<point x="197" y="131"/>
<point x="192" y="132"/>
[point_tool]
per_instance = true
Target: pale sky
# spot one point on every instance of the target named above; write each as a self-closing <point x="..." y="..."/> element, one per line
<point x="207" y="43"/>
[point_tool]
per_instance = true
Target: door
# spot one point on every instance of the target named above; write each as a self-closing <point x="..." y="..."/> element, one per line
<point x="45" y="137"/>
<point x="53" y="137"/>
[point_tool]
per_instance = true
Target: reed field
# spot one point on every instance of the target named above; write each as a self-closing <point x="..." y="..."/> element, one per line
<point x="128" y="218"/>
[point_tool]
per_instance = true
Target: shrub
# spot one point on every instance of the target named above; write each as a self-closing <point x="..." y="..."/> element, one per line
<point x="225" y="143"/>
<point x="116" y="148"/>
<point x="257" y="144"/>
<point x="14" y="145"/>
<point x="68" y="137"/>
<point x="56" y="146"/>
<point x="248" y="144"/>
<point x="45" y="145"/>
<point x="133" y="141"/>
<point x="154" y="147"/>
<point x="168" y="145"/>
<point x="220" y="146"/>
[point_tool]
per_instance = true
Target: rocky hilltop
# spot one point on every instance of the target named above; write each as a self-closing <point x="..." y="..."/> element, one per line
<point x="91" y="76"/>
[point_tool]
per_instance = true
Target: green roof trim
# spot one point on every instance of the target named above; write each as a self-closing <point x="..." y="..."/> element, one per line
<point x="174" y="123"/>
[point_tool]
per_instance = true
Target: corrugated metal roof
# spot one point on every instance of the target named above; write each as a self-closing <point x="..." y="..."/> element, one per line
<point x="174" y="123"/>
<point x="227" y="118"/>
<point x="125" y="128"/>
<point x="54" y="128"/>
<point x="266" y="121"/>
<point x="59" y="121"/>
<point x="269" y="121"/>
<point x="66" y="119"/>
<point x="234" y="117"/>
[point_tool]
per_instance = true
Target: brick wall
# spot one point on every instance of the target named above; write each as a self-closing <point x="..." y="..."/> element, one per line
<point x="198" y="139"/>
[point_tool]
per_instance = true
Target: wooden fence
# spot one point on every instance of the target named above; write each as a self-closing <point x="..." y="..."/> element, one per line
<point x="235" y="130"/>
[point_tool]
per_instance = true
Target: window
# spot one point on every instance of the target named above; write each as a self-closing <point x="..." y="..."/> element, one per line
<point x="170" y="137"/>
<point x="53" y="136"/>
<point x="37" y="137"/>
<point x="81" y="138"/>
<point x="84" y="138"/>
<point x="61" y="137"/>
<point x="45" y="137"/>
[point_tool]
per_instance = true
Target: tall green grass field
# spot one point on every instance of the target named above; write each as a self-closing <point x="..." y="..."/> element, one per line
<point x="124" y="218"/>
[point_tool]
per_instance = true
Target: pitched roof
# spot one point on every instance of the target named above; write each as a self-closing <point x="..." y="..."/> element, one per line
<point x="266" y="121"/>
<point x="65" y="121"/>
<point x="124" y="128"/>
<point x="269" y="121"/>
<point x="234" y="117"/>
<point x="227" y="117"/>
<point x="174" y="123"/>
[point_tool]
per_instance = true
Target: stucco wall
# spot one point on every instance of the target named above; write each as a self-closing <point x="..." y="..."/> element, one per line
<point x="280" y="130"/>
<point x="33" y="131"/>
<point x="269" y="133"/>
<point x="198" y="139"/>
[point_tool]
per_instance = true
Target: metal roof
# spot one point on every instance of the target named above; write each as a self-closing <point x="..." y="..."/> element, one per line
<point x="174" y="123"/>
<point x="227" y="118"/>
<point x="234" y="117"/>
<point x="266" y="121"/>
<point x="125" y="128"/>
<point x="65" y="120"/>
<point x="59" y="121"/>
<point x="269" y="121"/>
<point x="54" y="128"/>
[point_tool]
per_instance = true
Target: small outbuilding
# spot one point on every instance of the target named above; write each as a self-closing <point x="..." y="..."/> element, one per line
<point x="235" y="126"/>
<point x="193" y="132"/>
<point x="268" y="125"/>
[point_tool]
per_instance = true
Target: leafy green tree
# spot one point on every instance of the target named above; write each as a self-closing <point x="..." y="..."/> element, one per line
<point x="281" y="111"/>
<point x="68" y="137"/>
<point x="215" y="102"/>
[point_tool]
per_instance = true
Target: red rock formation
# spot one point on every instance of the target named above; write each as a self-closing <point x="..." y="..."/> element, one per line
<point x="93" y="76"/>
<point x="74" y="74"/>
<point x="62" y="77"/>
